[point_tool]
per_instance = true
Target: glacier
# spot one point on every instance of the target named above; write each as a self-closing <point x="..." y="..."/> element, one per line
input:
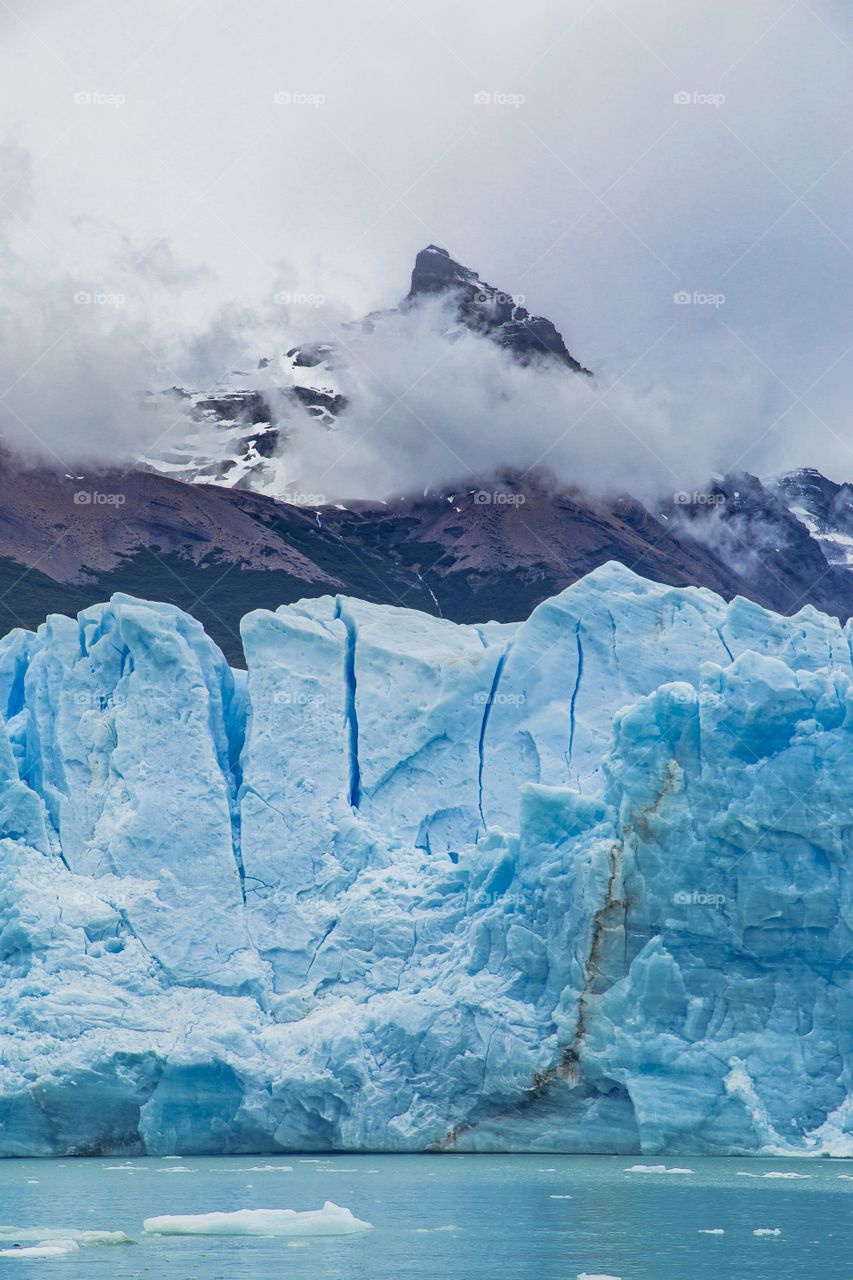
<point x="578" y="884"/>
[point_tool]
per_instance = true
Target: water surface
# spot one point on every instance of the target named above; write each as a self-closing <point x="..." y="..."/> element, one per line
<point x="448" y="1217"/>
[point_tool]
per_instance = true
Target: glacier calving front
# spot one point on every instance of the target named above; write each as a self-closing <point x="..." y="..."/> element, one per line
<point x="579" y="884"/>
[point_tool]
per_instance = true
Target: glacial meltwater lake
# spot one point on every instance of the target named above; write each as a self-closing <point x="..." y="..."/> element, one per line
<point x="445" y="1217"/>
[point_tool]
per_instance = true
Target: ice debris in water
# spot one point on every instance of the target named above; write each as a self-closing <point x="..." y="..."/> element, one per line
<point x="655" y="1168"/>
<point x="331" y="1220"/>
<point x="767" y="1231"/>
<point x="46" y="1249"/>
<point x="52" y="1242"/>
<point x="711" y="1231"/>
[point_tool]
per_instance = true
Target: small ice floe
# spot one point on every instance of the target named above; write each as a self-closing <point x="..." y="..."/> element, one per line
<point x="655" y="1168"/>
<point x="268" y="1168"/>
<point x="711" y="1231"/>
<point x="53" y="1242"/>
<point x="773" y="1173"/>
<point x="556" y="1197"/>
<point x="598" y="1275"/>
<point x="767" y="1231"/>
<point x="177" y="1168"/>
<point x="46" y="1249"/>
<point x="331" y="1220"/>
<point x="428" y="1231"/>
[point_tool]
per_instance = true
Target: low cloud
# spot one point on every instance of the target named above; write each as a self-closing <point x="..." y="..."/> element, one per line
<point x="433" y="405"/>
<point x="182" y="169"/>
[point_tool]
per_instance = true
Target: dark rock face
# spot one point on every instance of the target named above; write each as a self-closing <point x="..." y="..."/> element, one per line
<point x="322" y="404"/>
<point x="488" y="310"/>
<point x="825" y="507"/>
<point x="238" y="406"/>
<point x="747" y="525"/>
<point x="310" y="354"/>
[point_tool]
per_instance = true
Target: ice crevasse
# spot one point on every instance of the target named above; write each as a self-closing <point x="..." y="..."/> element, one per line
<point x="577" y="884"/>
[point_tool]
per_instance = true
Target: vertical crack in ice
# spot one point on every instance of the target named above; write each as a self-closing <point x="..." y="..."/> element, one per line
<point x="575" y="692"/>
<point x="17" y="697"/>
<point x="236" y="846"/>
<point x="234" y="725"/>
<point x="484" y="724"/>
<point x="327" y="932"/>
<point x="351" y="713"/>
<point x="613" y="652"/>
<point x="722" y="640"/>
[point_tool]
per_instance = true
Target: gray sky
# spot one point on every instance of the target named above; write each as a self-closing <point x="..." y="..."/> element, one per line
<point x="177" y="183"/>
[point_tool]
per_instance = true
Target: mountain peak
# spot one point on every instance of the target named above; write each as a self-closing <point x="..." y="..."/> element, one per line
<point x="488" y="310"/>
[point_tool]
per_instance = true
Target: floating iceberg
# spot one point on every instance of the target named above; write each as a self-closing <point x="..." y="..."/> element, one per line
<point x="331" y="1220"/>
<point x="577" y="884"/>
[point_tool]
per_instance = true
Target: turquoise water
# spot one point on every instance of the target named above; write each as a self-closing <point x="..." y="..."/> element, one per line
<point x="448" y="1217"/>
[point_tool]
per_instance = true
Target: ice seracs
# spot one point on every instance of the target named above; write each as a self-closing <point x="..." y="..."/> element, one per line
<point x="577" y="884"/>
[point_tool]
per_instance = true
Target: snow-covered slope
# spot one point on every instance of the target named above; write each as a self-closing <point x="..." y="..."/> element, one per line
<point x="581" y="883"/>
<point x="236" y="434"/>
<point x="823" y="506"/>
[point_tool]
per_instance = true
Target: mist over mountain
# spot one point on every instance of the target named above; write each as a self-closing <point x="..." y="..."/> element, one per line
<point x="641" y="153"/>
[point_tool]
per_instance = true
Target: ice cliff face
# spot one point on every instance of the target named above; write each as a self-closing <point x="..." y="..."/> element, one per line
<point x="578" y="884"/>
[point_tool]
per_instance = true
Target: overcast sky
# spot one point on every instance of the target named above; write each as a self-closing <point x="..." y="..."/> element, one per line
<point x="629" y="150"/>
